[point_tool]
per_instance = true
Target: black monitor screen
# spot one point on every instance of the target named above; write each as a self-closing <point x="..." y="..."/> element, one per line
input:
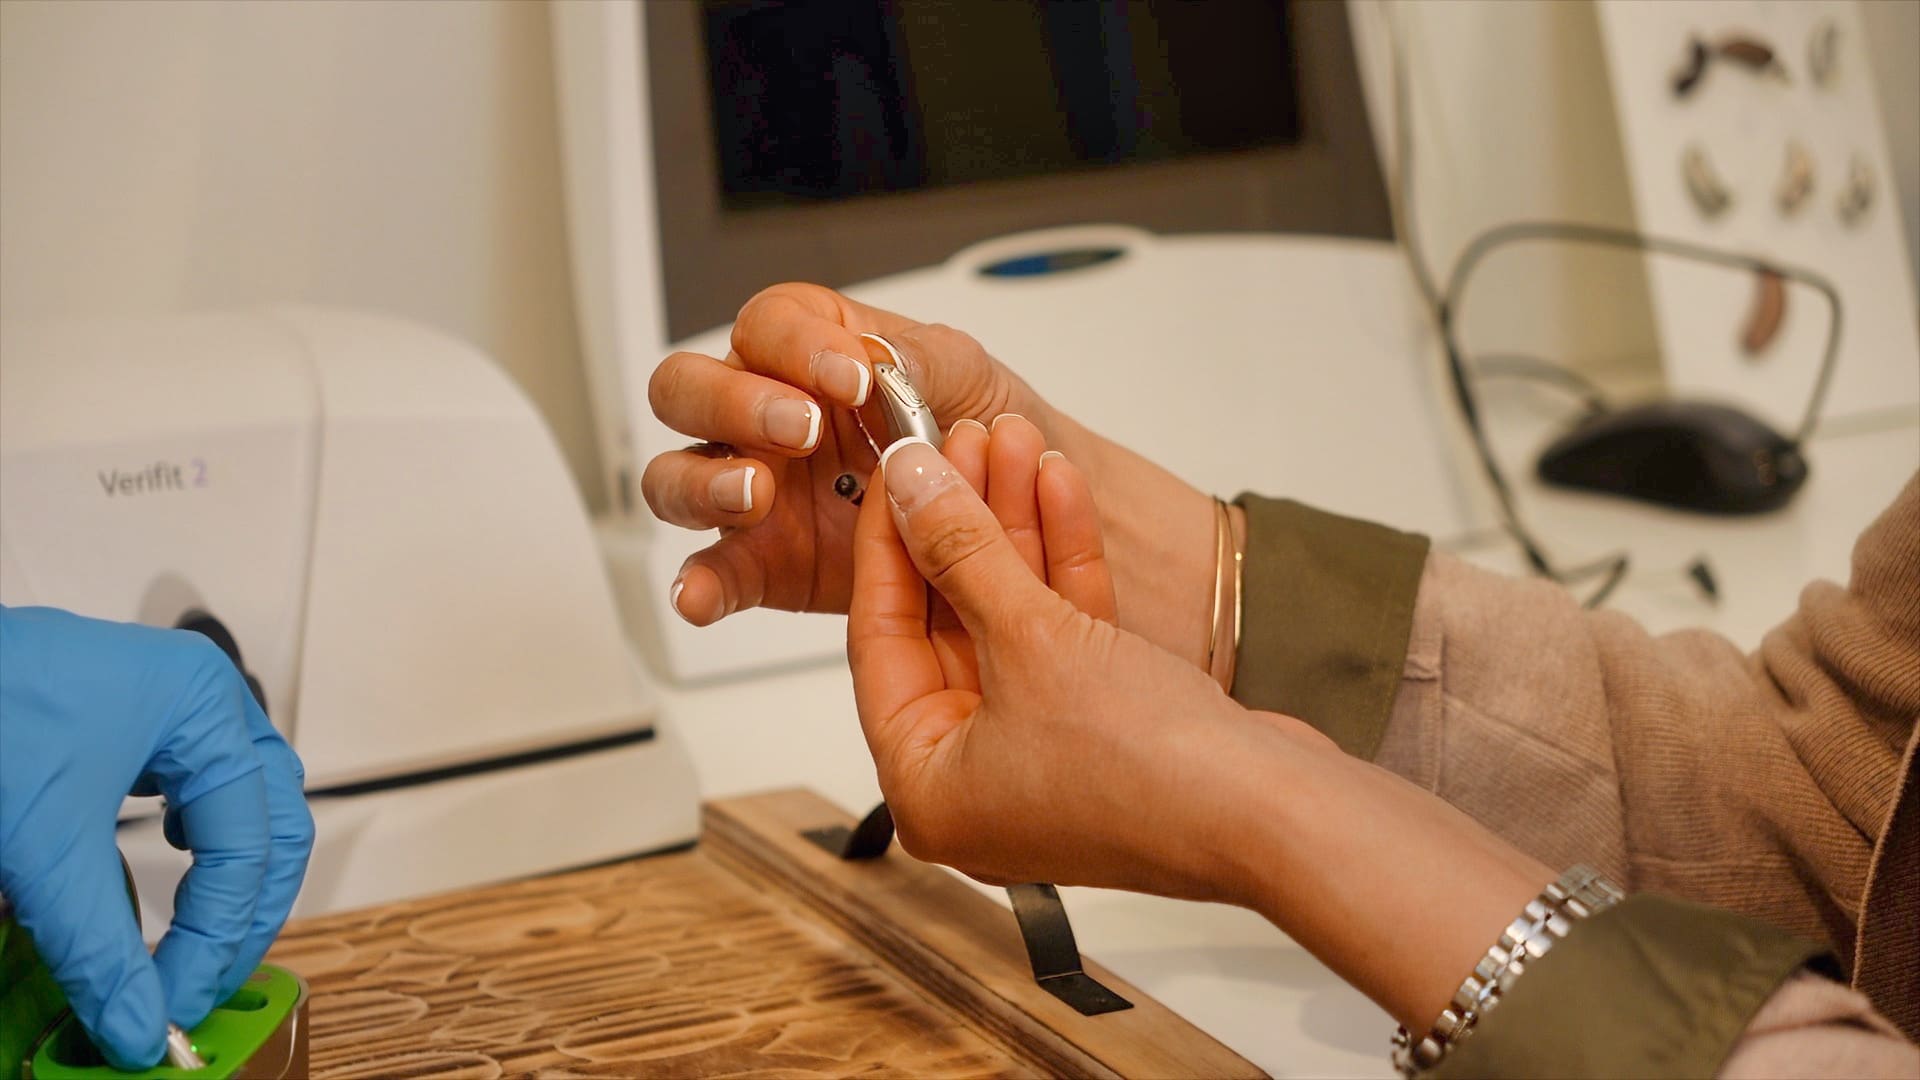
<point x="824" y="99"/>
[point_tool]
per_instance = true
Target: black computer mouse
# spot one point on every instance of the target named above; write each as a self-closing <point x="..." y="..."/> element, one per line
<point x="1690" y="454"/>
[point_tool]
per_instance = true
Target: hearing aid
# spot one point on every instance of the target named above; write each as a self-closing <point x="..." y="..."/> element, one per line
<point x="908" y="414"/>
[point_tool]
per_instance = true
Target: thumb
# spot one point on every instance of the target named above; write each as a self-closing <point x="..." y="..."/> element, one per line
<point x="956" y="542"/>
<point x="955" y="373"/>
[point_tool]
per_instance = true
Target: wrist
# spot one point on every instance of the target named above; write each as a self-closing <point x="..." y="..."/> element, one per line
<point x="1201" y="769"/>
<point x="1354" y="863"/>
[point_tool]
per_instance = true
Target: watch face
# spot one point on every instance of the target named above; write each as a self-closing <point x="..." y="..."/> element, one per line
<point x="895" y="384"/>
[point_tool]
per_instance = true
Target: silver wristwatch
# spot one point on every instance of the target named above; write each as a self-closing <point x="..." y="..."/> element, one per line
<point x="1547" y="918"/>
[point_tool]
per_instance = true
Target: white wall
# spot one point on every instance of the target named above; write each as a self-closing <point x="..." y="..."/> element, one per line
<point x="403" y="156"/>
<point x="156" y="156"/>
<point x="1506" y="100"/>
<point x="1893" y="45"/>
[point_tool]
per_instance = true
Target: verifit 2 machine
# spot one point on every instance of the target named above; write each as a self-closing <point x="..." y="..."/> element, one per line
<point x="381" y="527"/>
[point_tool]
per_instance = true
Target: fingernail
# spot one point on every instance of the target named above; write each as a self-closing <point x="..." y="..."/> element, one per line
<point x="732" y="490"/>
<point x="793" y="424"/>
<point x="1051" y="455"/>
<point x="1005" y="415"/>
<point x="970" y="422"/>
<point x="915" y="473"/>
<point x="842" y="377"/>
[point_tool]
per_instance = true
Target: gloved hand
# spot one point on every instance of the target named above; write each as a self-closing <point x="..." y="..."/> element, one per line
<point x="90" y="712"/>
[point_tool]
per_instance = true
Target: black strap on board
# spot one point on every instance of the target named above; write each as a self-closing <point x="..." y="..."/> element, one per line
<point x="867" y="840"/>
<point x="1055" y="957"/>
<point x="1044" y="926"/>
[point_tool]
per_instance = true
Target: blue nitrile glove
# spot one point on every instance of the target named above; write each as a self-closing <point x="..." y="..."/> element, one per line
<point x="90" y="712"/>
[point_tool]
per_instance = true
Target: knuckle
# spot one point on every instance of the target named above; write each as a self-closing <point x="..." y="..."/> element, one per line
<point x="948" y="542"/>
<point x="921" y="836"/>
<point x="773" y="303"/>
<point x="668" y="384"/>
<point x="300" y="832"/>
<point x="210" y="667"/>
<point x="805" y="293"/>
<point x="969" y="378"/>
<point x="1078" y="559"/>
<point x="658" y="490"/>
<point x="296" y="768"/>
<point x="1027" y="635"/>
<point x="944" y="340"/>
<point x="1041" y="632"/>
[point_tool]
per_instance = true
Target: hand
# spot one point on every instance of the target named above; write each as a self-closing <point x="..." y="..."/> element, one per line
<point x="1020" y="735"/>
<point x="795" y="372"/>
<point x="1030" y="740"/>
<point x="784" y="400"/>
<point x="95" y="711"/>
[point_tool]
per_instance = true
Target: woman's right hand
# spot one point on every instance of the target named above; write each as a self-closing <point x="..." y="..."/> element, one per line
<point x="780" y="407"/>
<point x="780" y="411"/>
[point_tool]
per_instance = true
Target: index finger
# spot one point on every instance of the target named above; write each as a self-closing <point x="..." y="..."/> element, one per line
<point x="227" y="831"/>
<point x="290" y="828"/>
<point x="209" y="770"/>
<point x="893" y="660"/>
<point x="806" y="336"/>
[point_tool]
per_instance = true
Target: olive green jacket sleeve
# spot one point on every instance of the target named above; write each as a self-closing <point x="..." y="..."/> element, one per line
<point x="1327" y="604"/>
<point x="1762" y="784"/>
<point x="1653" y="987"/>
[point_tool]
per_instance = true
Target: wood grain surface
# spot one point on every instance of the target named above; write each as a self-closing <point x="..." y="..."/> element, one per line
<point x="727" y="961"/>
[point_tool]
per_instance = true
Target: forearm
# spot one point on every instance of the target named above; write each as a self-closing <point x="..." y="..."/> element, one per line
<point x="1675" y="763"/>
<point x="1401" y="895"/>
<point x="1397" y="892"/>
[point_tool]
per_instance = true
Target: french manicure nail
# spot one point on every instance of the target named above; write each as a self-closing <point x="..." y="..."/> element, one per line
<point x="915" y="473"/>
<point x="792" y="423"/>
<point x="842" y="377"/>
<point x="732" y="490"/>
<point x="1004" y="415"/>
<point x="970" y="422"/>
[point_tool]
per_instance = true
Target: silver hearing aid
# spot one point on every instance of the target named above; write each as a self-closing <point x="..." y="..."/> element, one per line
<point x="908" y="414"/>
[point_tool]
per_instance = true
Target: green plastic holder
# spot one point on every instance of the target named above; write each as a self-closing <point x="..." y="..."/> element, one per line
<point x="259" y="1031"/>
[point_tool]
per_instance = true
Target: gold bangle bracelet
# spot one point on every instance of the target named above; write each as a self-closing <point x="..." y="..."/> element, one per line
<point x="1219" y="593"/>
<point x="1226" y="555"/>
<point x="1239" y="578"/>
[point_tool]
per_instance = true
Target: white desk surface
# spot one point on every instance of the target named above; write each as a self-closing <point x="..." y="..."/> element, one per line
<point x="1226" y="969"/>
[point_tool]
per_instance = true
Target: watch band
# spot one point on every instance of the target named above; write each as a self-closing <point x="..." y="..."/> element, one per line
<point x="1579" y="893"/>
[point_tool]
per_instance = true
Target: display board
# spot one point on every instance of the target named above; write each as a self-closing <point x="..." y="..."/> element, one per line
<point x="1773" y="147"/>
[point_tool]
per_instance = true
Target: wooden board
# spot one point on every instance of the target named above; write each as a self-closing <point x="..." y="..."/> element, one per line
<point x="755" y="954"/>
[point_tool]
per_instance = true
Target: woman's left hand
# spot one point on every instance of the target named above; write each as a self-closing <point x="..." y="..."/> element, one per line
<point x="1019" y="734"/>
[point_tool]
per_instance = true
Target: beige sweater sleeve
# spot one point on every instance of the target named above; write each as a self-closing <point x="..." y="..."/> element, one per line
<point x="1815" y="1027"/>
<point x="1756" y="783"/>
